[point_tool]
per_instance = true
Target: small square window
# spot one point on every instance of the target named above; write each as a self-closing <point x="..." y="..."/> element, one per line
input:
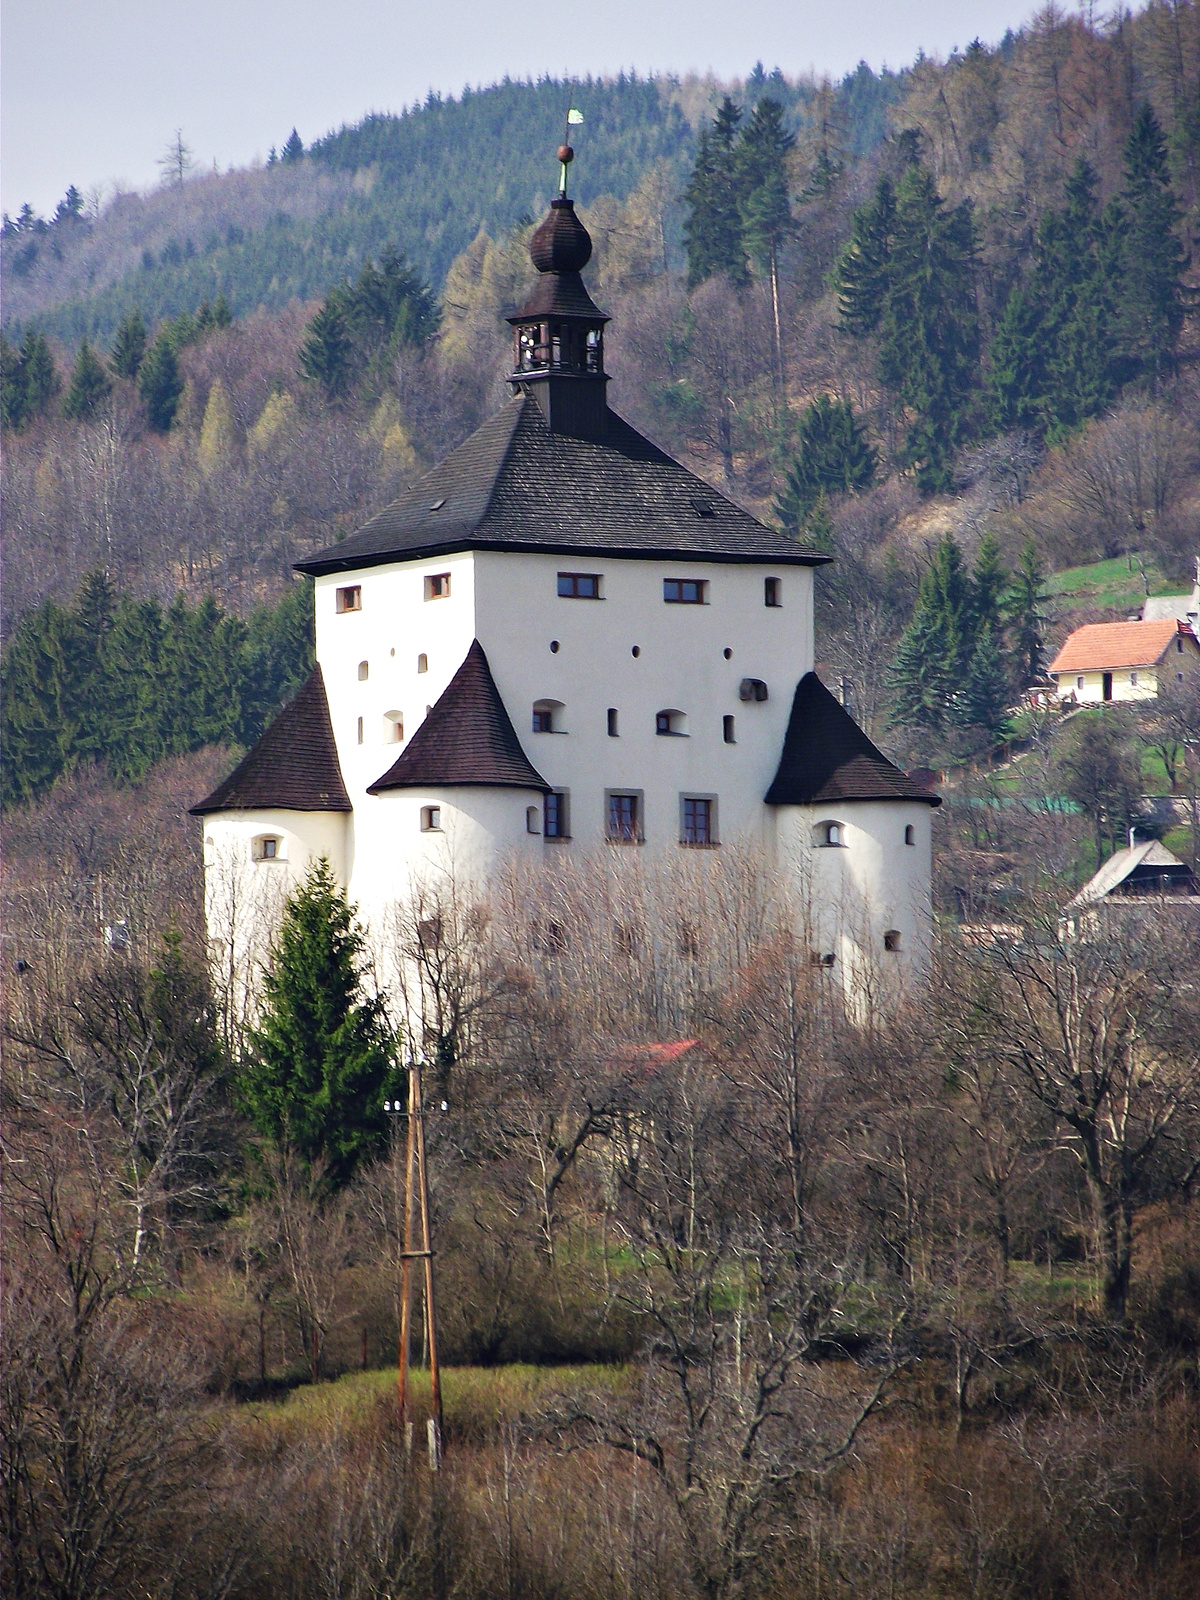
<point x="431" y="819"/>
<point x="437" y="586"/>
<point x="579" y="585"/>
<point x="624" y="818"/>
<point x="267" y="847"/>
<point x="270" y="847"/>
<point x="350" y="598"/>
<point x="555" y="818"/>
<point x="891" y="939"/>
<point x="772" y="589"/>
<point x="543" y="721"/>
<point x="684" y="591"/>
<point x="697" y="820"/>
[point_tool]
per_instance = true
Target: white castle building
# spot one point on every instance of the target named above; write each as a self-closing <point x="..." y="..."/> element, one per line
<point x="561" y="641"/>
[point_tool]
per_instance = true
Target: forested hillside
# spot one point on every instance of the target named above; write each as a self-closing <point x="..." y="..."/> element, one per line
<point x="941" y="321"/>
<point x="427" y="180"/>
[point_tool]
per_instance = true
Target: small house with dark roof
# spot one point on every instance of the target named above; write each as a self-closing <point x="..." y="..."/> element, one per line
<point x="560" y="640"/>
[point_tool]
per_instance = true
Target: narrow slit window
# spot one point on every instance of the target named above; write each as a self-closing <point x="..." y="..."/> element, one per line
<point x="910" y="834"/>
<point x="360" y="730"/>
<point x="364" y="671"/>
<point x="727" y="730"/>
<point x="422" y="662"/>
<point x="612" y="723"/>
<point x="533" y="821"/>
<point x="772" y="589"/>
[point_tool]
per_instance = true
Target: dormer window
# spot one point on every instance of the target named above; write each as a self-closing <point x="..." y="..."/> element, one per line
<point x="829" y="835"/>
<point x="437" y="586"/>
<point x="349" y="598"/>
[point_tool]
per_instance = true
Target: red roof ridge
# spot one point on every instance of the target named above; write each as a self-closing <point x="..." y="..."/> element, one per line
<point x="1099" y="646"/>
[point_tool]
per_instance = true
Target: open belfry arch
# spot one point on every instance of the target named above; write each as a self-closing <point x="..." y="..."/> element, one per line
<point x="560" y="642"/>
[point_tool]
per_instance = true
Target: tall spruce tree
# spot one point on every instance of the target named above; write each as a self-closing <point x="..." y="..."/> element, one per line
<point x="833" y="456"/>
<point x="1151" y="305"/>
<point x="908" y="276"/>
<point x="982" y="701"/>
<point x="90" y="384"/>
<point x="129" y="345"/>
<point x="713" y="230"/>
<point x="160" y="383"/>
<point x="1025" y="617"/>
<point x="936" y="647"/>
<point x="328" y="355"/>
<point x="765" y="201"/>
<point x="322" y="1057"/>
<point x="12" y="385"/>
<point x="37" y="382"/>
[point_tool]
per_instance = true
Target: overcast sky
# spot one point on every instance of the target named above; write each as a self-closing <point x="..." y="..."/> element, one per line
<point x="93" y="89"/>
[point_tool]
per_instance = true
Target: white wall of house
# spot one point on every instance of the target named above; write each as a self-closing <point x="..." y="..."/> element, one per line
<point x="1087" y="688"/>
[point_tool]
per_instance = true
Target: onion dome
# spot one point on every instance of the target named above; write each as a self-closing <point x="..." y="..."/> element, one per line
<point x="560" y="242"/>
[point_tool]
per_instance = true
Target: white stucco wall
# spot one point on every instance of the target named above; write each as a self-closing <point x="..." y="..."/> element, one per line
<point x="871" y="885"/>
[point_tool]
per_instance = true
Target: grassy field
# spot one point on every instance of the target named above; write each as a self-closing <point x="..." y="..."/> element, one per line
<point x="1117" y="584"/>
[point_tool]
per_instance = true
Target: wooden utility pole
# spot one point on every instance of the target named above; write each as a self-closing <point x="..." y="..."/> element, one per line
<point x="416" y="1210"/>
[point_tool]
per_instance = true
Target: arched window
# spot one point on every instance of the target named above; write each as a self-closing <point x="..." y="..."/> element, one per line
<point x="829" y="835"/>
<point x="533" y="819"/>
<point x="910" y="834"/>
<point x="364" y="670"/>
<point x="422" y="662"/>
<point x="672" y="723"/>
<point x="548" y="716"/>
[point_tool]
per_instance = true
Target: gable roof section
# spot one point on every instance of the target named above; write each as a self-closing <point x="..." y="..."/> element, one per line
<point x="466" y="740"/>
<point x="1105" y="646"/>
<point x="1141" y="858"/>
<point x="827" y="757"/>
<point x="515" y="485"/>
<point x="293" y="767"/>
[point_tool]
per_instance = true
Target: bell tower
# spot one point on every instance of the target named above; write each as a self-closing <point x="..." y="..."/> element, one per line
<point x="558" y="334"/>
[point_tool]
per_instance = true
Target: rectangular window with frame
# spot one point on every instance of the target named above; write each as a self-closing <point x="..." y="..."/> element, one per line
<point x="437" y="586"/>
<point x="349" y="598"/>
<point x="772" y="592"/>
<point x="697" y="819"/>
<point x="624" y="824"/>
<point x="685" y="591"/>
<point x="556" y="819"/>
<point x="579" y="585"/>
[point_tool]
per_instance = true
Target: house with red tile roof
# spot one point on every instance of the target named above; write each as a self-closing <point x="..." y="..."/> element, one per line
<point x="1124" y="660"/>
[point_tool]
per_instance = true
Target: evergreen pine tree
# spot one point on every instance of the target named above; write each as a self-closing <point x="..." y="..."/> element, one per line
<point x="277" y="658"/>
<point x="989" y="583"/>
<point x="39" y="382"/>
<point x="713" y="230"/>
<point x="32" y="704"/>
<point x="765" y="201"/>
<point x="936" y="648"/>
<point x="12" y="385"/>
<point x="328" y="355"/>
<point x="129" y="346"/>
<point x="160" y="383"/>
<point x="862" y="274"/>
<point x="293" y="148"/>
<point x="833" y="456"/>
<point x="322" y="1058"/>
<point x="1151" y="305"/>
<point x="982" y="701"/>
<point x="90" y="384"/>
<point x="1026" y="620"/>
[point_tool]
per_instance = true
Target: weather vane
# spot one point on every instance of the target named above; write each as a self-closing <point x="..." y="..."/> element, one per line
<point x="565" y="154"/>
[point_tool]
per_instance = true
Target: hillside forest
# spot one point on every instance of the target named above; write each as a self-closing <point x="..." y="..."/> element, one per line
<point x="742" y="1296"/>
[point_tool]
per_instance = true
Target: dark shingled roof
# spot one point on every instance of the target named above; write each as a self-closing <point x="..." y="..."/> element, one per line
<point x="515" y="485"/>
<point x="466" y="740"/>
<point x="826" y="757"/>
<point x="293" y="767"/>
